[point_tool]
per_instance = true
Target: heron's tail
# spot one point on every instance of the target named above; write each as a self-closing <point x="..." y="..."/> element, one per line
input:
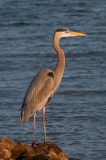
<point x="24" y="116"/>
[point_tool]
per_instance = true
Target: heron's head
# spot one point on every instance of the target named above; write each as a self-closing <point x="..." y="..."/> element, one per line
<point x="63" y="32"/>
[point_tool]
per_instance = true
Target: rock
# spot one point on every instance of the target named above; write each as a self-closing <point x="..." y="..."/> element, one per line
<point x="48" y="151"/>
<point x="4" y="154"/>
<point x="22" y="150"/>
<point x="10" y="150"/>
<point x="7" y="144"/>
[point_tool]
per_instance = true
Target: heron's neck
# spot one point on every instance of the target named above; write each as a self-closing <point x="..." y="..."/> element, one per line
<point x="59" y="69"/>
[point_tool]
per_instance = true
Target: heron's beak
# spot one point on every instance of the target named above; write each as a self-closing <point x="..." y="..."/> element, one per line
<point x="77" y="34"/>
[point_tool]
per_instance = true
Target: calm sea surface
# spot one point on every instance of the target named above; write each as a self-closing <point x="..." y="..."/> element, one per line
<point x="76" y="115"/>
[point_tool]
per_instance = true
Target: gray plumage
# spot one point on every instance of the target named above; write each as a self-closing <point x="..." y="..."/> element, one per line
<point x="38" y="93"/>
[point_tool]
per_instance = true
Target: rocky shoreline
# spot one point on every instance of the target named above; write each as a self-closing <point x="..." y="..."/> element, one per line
<point x="11" y="150"/>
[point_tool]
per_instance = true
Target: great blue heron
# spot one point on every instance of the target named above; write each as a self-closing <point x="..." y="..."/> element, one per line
<point x="45" y="83"/>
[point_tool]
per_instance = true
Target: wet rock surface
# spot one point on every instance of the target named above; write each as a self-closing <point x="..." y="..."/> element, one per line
<point x="10" y="150"/>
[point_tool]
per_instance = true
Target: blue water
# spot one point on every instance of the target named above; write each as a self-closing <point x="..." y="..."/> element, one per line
<point x="76" y="115"/>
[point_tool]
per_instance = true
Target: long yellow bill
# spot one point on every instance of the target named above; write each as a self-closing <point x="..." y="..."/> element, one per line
<point x="77" y="34"/>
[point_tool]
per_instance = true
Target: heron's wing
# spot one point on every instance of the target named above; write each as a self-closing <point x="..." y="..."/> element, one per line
<point x="38" y="93"/>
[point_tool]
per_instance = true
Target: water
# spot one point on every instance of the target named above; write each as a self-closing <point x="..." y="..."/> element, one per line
<point x="76" y="115"/>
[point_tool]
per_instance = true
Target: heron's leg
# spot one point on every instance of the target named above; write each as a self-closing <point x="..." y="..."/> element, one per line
<point x="34" y="123"/>
<point x="43" y="121"/>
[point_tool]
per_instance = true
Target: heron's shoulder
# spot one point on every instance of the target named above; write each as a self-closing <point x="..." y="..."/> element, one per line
<point x="45" y="72"/>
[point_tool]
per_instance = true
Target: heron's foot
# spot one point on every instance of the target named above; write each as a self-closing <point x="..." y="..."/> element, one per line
<point x="34" y="144"/>
<point x="46" y="142"/>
